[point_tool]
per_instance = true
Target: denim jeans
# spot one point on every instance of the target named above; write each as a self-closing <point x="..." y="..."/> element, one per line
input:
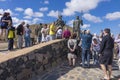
<point x="10" y="43"/>
<point x="85" y="55"/>
<point x="95" y="57"/>
<point x="27" y="41"/>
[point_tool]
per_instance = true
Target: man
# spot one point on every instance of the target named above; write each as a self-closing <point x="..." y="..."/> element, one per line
<point x="38" y="33"/>
<point x="20" y="32"/>
<point x="106" y="51"/>
<point x="76" y="26"/>
<point x="86" y="45"/>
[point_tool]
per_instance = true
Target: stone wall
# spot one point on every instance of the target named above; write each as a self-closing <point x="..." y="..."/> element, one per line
<point x="33" y="62"/>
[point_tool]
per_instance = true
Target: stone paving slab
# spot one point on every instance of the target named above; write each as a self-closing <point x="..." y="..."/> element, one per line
<point x="65" y="72"/>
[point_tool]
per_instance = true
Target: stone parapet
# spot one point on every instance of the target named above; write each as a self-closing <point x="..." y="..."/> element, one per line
<point x="23" y="64"/>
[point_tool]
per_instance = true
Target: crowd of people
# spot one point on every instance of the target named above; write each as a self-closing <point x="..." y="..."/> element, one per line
<point x="100" y="47"/>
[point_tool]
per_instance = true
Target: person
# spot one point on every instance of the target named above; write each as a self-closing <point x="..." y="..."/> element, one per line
<point x="20" y="33"/>
<point x="44" y="33"/>
<point x="59" y="33"/>
<point x="47" y="31"/>
<point x="10" y="36"/>
<point x="86" y="45"/>
<point x="4" y="25"/>
<point x="38" y="33"/>
<point x="72" y="44"/>
<point x="95" y="50"/>
<point x="76" y="26"/>
<point x="66" y="33"/>
<point x="101" y="35"/>
<point x="106" y="54"/>
<point x="27" y="36"/>
<point x="52" y="31"/>
<point x="117" y="40"/>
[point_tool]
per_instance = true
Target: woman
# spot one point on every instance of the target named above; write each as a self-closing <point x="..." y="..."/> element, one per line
<point x="27" y="36"/>
<point x="117" y="40"/>
<point x="4" y="25"/>
<point x="72" y="44"/>
<point x="106" y="51"/>
<point x="44" y="33"/>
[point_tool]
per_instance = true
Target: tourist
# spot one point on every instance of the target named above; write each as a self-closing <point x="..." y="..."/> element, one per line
<point x="20" y="33"/>
<point x="10" y="36"/>
<point x="86" y="45"/>
<point x="117" y="40"/>
<point x="47" y="31"/>
<point x="59" y="33"/>
<point x="4" y="26"/>
<point x="52" y="31"/>
<point x="95" y="51"/>
<point x="38" y="33"/>
<point x="72" y="44"/>
<point x="44" y="33"/>
<point x="66" y="33"/>
<point x="106" y="51"/>
<point x="27" y="36"/>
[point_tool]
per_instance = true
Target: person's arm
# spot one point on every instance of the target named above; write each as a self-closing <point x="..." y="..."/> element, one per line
<point x="75" y="45"/>
<point x="68" y="43"/>
<point x="102" y="46"/>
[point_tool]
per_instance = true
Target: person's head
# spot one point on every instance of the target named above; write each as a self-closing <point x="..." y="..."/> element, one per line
<point x="84" y="32"/>
<point x="5" y="14"/>
<point x="95" y="41"/>
<point x="23" y="23"/>
<point x="45" y="26"/>
<point x="40" y="24"/>
<point x="8" y="14"/>
<point x="107" y="31"/>
<point x="27" y="25"/>
<point x="73" y="36"/>
<point x="88" y="31"/>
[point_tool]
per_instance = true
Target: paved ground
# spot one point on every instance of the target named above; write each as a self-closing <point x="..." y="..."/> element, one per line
<point x="64" y="72"/>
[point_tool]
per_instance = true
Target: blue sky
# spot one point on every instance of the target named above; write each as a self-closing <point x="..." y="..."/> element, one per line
<point x="96" y="14"/>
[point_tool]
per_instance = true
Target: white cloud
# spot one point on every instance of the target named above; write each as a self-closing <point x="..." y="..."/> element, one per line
<point x="79" y="5"/>
<point x="29" y="12"/>
<point x="46" y="2"/>
<point x="27" y="17"/>
<point x="36" y="20"/>
<point x="19" y="9"/>
<point x="43" y="9"/>
<point x="70" y="23"/>
<point x="2" y="0"/>
<point x="85" y="26"/>
<point x="38" y="14"/>
<point x="53" y="13"/>
<point x="92" y="18"/>
<point x="15" y="20"/>
<point x="1" y="11"/>
<point x="113" y="16"/>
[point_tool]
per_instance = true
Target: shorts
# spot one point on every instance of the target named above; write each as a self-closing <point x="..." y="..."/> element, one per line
<point x="71" y="56"/>
<point x="3" y="27"/>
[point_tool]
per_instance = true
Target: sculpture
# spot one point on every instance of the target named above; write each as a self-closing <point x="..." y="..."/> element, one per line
<point x="76" y="26"/>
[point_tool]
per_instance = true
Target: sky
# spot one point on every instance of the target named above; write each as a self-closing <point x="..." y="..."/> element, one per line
<point x="96" y="14"/>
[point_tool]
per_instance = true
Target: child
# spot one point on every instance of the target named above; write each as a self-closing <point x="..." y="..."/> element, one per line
<point x="95" y="50"/>
<point x="10" y="36"/>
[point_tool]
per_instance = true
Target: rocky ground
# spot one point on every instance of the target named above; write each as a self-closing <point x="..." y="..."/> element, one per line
<point x="65" y="72"/>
